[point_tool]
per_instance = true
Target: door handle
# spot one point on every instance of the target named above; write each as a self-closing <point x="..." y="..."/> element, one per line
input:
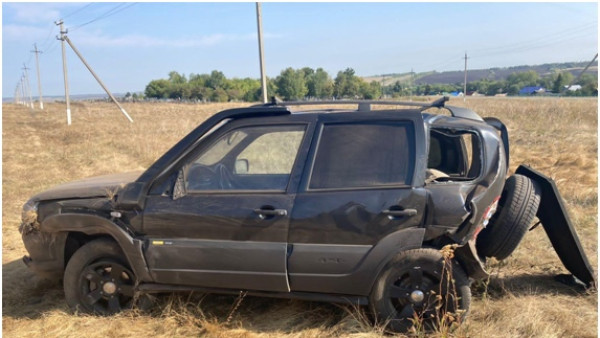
<point x="396" y="213"/>
<point x="270" y="212"/>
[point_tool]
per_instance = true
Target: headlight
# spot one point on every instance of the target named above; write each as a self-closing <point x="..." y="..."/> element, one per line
<point x="29" y="214"/>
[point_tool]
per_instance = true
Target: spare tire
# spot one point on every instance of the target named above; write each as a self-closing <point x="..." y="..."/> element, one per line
<point x="517" y="207"/>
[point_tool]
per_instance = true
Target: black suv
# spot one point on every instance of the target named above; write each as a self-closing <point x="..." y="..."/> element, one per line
<point x="387" y="208"/>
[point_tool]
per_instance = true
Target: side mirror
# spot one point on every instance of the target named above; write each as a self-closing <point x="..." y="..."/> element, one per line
<point x="242" y="166"/>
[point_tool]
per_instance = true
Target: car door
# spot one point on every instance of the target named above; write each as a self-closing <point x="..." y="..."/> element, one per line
<point x="225" y="222"/>
<point x="364" y="181"/>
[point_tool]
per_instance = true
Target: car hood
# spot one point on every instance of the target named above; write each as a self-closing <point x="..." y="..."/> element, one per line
<point x="99" y="186"/>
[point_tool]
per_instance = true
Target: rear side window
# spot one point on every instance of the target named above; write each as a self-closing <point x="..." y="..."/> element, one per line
<point x="367" y="154"/>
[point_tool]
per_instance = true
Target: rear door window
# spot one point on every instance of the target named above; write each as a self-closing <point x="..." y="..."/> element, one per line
<point x="365" y="154"/>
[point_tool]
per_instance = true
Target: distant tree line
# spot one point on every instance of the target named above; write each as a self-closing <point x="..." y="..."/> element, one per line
<point x="291" y="84"/>
<point x="554" y="83"/>
<point x="308" y="83"/>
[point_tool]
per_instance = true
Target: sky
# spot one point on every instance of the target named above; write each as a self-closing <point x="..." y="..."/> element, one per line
<point x="130" y="44"/>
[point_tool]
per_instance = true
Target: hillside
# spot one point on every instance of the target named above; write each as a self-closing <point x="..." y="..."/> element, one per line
<point x="451" y="77"/>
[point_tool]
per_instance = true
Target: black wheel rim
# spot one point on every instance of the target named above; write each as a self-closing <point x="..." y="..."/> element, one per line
<point x="107" y="287"/>
<point x="415" y="292"/>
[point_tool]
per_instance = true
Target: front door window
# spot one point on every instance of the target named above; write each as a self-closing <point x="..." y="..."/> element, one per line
<point x="250" y="158"/>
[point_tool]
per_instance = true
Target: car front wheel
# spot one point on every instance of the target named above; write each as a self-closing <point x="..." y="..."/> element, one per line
<point x="98" y="279"/>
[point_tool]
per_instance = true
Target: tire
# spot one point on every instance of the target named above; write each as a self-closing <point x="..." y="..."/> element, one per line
<point x="517" y="207"/>
<point x="98" y="279"/>
<point x="419" y="273"/>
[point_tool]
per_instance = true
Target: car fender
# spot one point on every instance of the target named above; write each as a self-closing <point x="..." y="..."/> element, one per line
<point x="95" y="225"/>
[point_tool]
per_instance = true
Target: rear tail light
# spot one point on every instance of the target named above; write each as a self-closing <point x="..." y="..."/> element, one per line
<point x="487" y="215"/>
<point x="489" y="212"/>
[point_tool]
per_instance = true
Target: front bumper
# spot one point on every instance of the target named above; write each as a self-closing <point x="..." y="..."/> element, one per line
<point x="46" y="254"/>
<point x="45" y="270"/>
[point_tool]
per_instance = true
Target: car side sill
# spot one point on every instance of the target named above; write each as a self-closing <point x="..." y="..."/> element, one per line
<point x="308" y="296"/>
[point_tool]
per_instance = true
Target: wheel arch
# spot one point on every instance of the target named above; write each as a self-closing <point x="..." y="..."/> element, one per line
<point x="87" y="227"/>
<point x="76" y="239"/>
<point x="385" y="251"/>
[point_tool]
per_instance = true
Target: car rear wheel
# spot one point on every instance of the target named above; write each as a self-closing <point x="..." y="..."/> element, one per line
<point x="98" y="279"/>
<point x="420" y="286"/>
<point x="517" y="208"/>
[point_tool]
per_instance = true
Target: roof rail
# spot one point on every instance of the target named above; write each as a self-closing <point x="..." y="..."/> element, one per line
<point x="363" y="105"/>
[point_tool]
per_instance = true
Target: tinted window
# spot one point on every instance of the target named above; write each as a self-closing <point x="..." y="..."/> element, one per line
<point x="364" y="155"/>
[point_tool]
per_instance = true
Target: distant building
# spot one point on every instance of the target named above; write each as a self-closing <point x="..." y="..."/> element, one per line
<point x="474" y="93"/>
<point x="573" y="88"/>
<point x="532" y="90"/>
<point x="456" y="94"/>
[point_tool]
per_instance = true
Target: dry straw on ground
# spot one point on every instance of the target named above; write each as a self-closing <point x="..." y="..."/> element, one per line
<point x="557" y="136"/>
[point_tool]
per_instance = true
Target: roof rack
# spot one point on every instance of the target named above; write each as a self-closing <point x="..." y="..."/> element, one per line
<point x="365" y="105"/>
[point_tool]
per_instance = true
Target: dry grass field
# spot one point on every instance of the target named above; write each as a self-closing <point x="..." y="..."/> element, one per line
<point x="557" y="136"/>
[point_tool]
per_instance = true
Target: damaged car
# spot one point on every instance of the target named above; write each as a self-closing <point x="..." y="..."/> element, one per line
<point x="395" y="209"/>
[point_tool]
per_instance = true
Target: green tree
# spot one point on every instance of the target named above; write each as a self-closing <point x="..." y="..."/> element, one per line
<point x="219" y="95"/>
<point x="346" y="84"/>
<point x="159" y="89"/>
<point x="180" y="91"/>
<point x="523" y="79"/>
<point x="307" y="72"/>
<point x="562" y="79"/>
<point x="495" y="87"/>
<point x="319" y="84"/>
<point x="370" y="91"/>
<point x="291" y="84"/>
<point x="514" y="89"/>
<point x="177" y="78"/>
<point x="216" y="80"/>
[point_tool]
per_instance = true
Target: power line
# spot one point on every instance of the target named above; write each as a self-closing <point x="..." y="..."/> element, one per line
<point x="78" y="10"/>
<point x="46" y="43"/>
<point x="549" y="38"/>
<point x="540" y="44"/>
<point x="111" y="12"/>
<point x="52" y="48"/>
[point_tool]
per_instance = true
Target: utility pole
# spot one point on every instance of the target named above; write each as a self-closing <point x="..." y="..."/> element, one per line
<point x="580" y="74"/>
<point x="22" y="90"/>
<point x="411" y="84"/>
<point x="64" y="59"/>
<point x="261" y="56"/>
<point x="37" y="62"/>
<point x="17" y="94"/>
<point x="27" y="85"/>
<point x="97" y="78"/>
<point x="465" y="84"/>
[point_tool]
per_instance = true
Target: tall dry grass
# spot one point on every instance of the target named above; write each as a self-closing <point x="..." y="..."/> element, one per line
<point x="557" y="136"/>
